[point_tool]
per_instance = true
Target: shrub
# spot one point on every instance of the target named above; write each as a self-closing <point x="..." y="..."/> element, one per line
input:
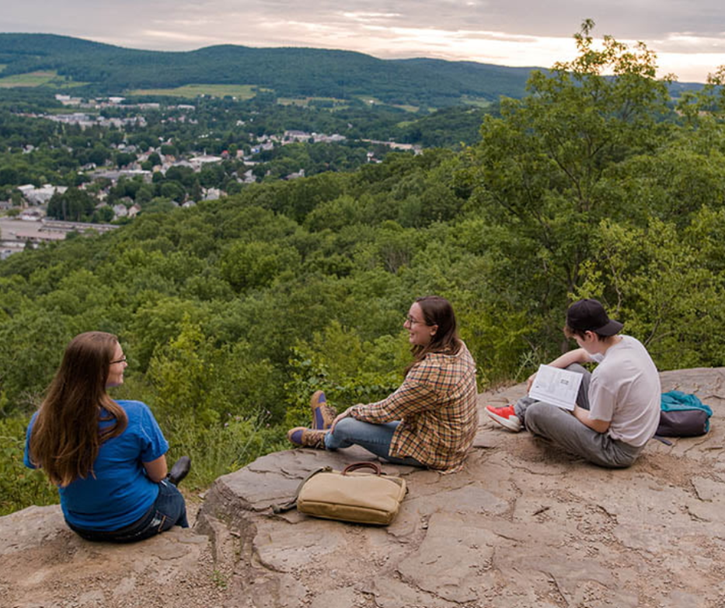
<point x="20" y="486"/>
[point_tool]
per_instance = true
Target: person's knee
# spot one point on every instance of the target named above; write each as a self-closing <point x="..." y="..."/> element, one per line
<point x="537" y="415"/>
<point x="576" y="367"/>
<point x="625" y="457"/>
<point x="341" y="435"/>
<point x="344" y="427"/>
<point x="535" y="411"/>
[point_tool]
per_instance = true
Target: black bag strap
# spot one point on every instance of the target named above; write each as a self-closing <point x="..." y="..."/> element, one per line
<point x="288" y="506"/>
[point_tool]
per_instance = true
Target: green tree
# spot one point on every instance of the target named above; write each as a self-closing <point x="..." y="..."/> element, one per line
<point x="257" y="264"/>
<point x="542" y="174"/>
<point x="72" y="205"/>
<point x="668" y="283"/>
<point x="173" y="191"/>
<point x="8" y="176"/>
<point x="124" y="158"/>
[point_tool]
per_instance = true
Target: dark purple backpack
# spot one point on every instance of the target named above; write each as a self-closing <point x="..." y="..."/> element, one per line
<point x="683" y="415"/>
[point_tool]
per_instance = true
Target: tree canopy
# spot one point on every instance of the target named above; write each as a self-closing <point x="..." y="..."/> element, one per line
<point x="233" y="312"/>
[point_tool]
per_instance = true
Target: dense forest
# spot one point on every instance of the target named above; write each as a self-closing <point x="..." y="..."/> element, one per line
<point x="92" y="68"/>
<point x="233" y="312"/>
<point x="289" y="72"/>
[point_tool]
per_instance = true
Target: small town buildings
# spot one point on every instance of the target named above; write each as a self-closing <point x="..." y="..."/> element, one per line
<point x="296" y="136"/>
<point x="31" y="215"/>
<point x="199" y="161"/>
<point x="296" y="175"/>
<point x="40" y="196"/>
<point x="212" y="194"/>
<point x="115" y="175"/>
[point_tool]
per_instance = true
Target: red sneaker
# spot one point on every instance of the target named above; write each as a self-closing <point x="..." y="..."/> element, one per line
<point x="505" y="416"/>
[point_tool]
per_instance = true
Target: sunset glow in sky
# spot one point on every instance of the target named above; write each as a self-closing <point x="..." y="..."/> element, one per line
<point x="688" y="37"/>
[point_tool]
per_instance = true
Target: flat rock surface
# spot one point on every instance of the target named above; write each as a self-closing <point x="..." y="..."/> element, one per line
<point x="523" y="525"/>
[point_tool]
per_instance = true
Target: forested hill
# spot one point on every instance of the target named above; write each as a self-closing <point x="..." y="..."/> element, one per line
<point x="233" y="312"/>
<point x="289" y="72"/>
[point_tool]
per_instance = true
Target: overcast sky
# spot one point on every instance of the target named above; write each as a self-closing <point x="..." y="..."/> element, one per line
<point x="687" y="35"/>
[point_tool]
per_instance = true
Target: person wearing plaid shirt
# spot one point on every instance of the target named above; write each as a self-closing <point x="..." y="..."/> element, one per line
<point x="430" y="420"/>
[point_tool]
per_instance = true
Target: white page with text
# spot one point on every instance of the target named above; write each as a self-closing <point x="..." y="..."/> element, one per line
<point x="556" y="386"/>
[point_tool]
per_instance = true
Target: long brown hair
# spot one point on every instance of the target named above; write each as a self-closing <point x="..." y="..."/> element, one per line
<point x="437" y="311"/>
<point x="66" y="436"/>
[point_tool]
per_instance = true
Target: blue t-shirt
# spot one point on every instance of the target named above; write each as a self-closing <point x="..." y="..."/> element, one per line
<point x="119" y="492"/>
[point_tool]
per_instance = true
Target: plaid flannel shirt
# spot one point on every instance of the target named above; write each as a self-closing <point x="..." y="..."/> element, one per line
<point x="437" y="406"/>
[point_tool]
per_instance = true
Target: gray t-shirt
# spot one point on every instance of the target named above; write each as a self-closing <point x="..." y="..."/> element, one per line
<point x="625" y="391"/>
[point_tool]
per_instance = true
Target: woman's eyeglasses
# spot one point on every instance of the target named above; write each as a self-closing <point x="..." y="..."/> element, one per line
<point x="412" y="321"/>
<point x="121" y="360"/>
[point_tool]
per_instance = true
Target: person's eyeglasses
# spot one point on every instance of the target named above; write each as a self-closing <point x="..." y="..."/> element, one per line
<point x="412" y="321"/>
<point x="121" y="360"/>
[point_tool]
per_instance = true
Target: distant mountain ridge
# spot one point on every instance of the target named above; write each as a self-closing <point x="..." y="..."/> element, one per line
<point x="289" y="72"/>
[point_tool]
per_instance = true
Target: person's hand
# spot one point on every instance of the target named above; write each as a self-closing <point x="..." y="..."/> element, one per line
<point x="339" y="417"/>
<point x="530" y="381"/>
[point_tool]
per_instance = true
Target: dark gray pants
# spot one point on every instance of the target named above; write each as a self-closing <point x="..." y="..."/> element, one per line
<point x="562" y="428"/>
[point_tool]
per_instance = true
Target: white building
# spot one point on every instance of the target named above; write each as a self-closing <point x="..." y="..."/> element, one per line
<point x="40" y="196"/>
<point x="212" y="194"/>
<point x="199" y="161"/>
<point x="31" y="215"/>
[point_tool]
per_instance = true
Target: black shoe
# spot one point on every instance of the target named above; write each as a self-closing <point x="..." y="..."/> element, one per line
<point x="180" y="470"/>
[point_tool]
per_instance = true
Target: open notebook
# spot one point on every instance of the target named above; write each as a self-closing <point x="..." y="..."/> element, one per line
<point x="557" y="386"/>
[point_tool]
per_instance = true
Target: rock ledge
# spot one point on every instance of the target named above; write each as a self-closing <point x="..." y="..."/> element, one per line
<point x="520" y="526"/>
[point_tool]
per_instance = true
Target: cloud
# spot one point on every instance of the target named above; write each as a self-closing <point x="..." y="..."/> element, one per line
<point x="511" y="32"/>
<point x="167" y="36"/>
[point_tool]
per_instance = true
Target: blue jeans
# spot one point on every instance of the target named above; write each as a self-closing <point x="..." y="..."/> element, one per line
<point x="168" y="510"/>
<point x="375" y="438"/>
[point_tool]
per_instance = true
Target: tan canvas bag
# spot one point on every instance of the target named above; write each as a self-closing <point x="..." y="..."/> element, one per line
<point x="350" y="495"/>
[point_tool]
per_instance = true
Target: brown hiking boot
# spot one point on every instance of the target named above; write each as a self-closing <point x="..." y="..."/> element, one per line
<point x="307" y="438"/>
<point x="322" y="414"/>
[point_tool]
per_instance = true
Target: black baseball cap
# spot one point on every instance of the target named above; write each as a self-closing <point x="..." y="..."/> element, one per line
<point x="589" y="315"/>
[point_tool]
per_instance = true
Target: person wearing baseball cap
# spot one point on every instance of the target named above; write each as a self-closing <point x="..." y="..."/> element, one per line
<point x="618" y="406"/>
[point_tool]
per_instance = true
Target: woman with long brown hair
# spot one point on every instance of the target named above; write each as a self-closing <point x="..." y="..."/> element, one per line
<point x="430" y="420"/>
<point x="106" y="457"/>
